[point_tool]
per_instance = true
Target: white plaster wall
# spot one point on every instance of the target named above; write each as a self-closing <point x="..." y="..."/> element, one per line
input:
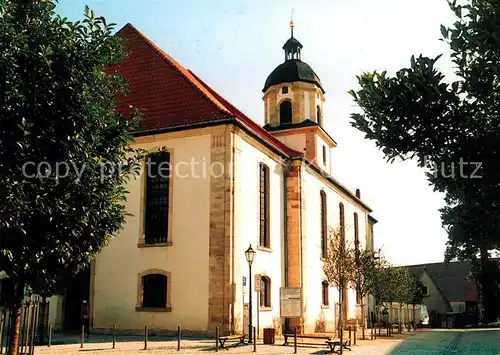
<point x="307" y="106"/>
<point x="320" y="143"/>
<point x="313" y="266"/>
<point x="267" y="263"/>
<point x="118" y="266"/>
<point x="55" y="311"/>
<point x="294" y="141"/>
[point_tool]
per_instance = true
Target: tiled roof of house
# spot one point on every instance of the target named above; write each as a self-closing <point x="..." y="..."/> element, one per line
<point x="170" y="95"/>
<point x="453" y="279"/>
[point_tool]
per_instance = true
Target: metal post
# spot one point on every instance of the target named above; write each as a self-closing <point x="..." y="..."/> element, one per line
<point x="179" y="338"/>
<point x="254" y="341"/>
<point x="50" y="335"/>
<point x="2" y="324"/>
<point x="7" y="340"/>
<point x="34" y="314"/>
<point x="341" y="339"/>
<point x="145" y="337"/>
<point x="82" y="336"/>
<point x="250" y="304"/>
<point x="114" y="336"/>
<point x="217" y="339"/>
<point x="350" y="336"/>
<point x="355" y="330"/>
<point x="295" y="341"/>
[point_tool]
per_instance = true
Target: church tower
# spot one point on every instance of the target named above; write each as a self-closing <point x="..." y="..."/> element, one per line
<point x="293" y="106"/>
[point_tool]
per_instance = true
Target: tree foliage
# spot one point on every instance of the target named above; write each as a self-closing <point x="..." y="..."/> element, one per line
<point x="339" y="263"/>
<point x="57" y="105"/>
<point x="450" y="127"/>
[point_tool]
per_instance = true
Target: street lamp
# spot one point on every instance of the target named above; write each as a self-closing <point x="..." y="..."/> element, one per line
<point x="250" y="255"/>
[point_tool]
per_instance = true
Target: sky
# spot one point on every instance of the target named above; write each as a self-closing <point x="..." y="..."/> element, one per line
<point x="234" y="46"/>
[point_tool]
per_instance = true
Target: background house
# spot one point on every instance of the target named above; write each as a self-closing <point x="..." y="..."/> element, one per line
<point x="450" y="293"/>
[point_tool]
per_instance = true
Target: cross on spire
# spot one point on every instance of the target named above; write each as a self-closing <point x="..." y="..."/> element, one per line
<point x="292" y="25"/>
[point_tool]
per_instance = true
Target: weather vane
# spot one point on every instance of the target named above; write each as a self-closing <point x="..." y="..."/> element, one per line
<point x="291" y="22"/>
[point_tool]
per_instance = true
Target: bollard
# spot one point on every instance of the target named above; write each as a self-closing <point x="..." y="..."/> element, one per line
<point x="295" y="341"/>
<point x="179" y="338"/>
<point x="50" y="335"/>
<point x="145" y="337"/>
<point x="355" y="331"/>
<point x="254" y="340"/>
<point x="82" y="335"/>
<point x="114" y="336"/>
<point x="217" y="339"/>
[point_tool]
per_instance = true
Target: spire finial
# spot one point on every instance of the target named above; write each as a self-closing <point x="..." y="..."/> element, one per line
<point x="292" y="25"/>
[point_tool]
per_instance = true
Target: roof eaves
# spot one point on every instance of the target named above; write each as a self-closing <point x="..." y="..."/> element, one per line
<point x="248" y="122"/>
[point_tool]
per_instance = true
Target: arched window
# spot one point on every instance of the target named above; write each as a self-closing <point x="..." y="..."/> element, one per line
<point x="325" y="299"/>
<point x="357" y="253"/>
<point x="356" y="231"/>
<point x="342" y="220"/>
<point x="344" y="293"/>
<point x="286" y="112"/>
<point x="265" y="238"/>
<point x="318" y="115"/>
<point x="154" y="291"/>
<point x="157" y="198"/>
<point x="324" y="228"/>
<point x="265" y="292"/>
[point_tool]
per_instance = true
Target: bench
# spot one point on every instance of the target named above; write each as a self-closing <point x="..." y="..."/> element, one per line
<point x="226" y="338"/>
<point x="333" y="343"/>
<point x="305" y="336"/>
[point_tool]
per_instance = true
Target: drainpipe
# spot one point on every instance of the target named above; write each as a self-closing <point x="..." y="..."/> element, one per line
<point x="285" y="219"/>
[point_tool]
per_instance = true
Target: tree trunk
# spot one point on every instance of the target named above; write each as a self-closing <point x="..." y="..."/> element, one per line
<point x="363" y="320"/>
<point x="16" y="313"/>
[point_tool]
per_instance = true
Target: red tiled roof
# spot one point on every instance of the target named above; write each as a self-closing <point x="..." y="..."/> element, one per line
<point x="172" y="96"/>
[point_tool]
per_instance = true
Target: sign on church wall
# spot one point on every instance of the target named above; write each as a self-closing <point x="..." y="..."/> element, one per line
<point x="290" y="302"/>
<point x="258" y="283"/>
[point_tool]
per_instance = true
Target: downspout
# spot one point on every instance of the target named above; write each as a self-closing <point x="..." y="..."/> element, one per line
<point x="301" y="231"/>
<point x="285" y="219"/>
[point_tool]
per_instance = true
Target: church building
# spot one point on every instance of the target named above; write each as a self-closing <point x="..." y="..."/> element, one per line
<point x="230" y="183"/>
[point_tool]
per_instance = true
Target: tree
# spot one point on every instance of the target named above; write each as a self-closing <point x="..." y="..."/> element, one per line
<point x="403" y="290"/>
<point x="364" y="279"/>
<point x="58" y="117"/>
<point x="450" y="128"/>
<point x="416" y="295"/>
<point x="339" y="265"/>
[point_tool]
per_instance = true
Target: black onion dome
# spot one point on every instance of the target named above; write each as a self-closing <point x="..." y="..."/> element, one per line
<point x="290" y="71"/>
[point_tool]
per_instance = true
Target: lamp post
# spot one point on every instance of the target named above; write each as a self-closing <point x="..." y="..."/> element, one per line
<point x="250" y="255"/>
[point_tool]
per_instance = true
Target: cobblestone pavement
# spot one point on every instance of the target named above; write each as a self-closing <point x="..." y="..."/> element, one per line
<point x="466" y="342"/>
<point x="418" y="343"/>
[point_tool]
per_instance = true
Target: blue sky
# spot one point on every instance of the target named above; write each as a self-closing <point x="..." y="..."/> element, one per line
<point x="234" y="45"/>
